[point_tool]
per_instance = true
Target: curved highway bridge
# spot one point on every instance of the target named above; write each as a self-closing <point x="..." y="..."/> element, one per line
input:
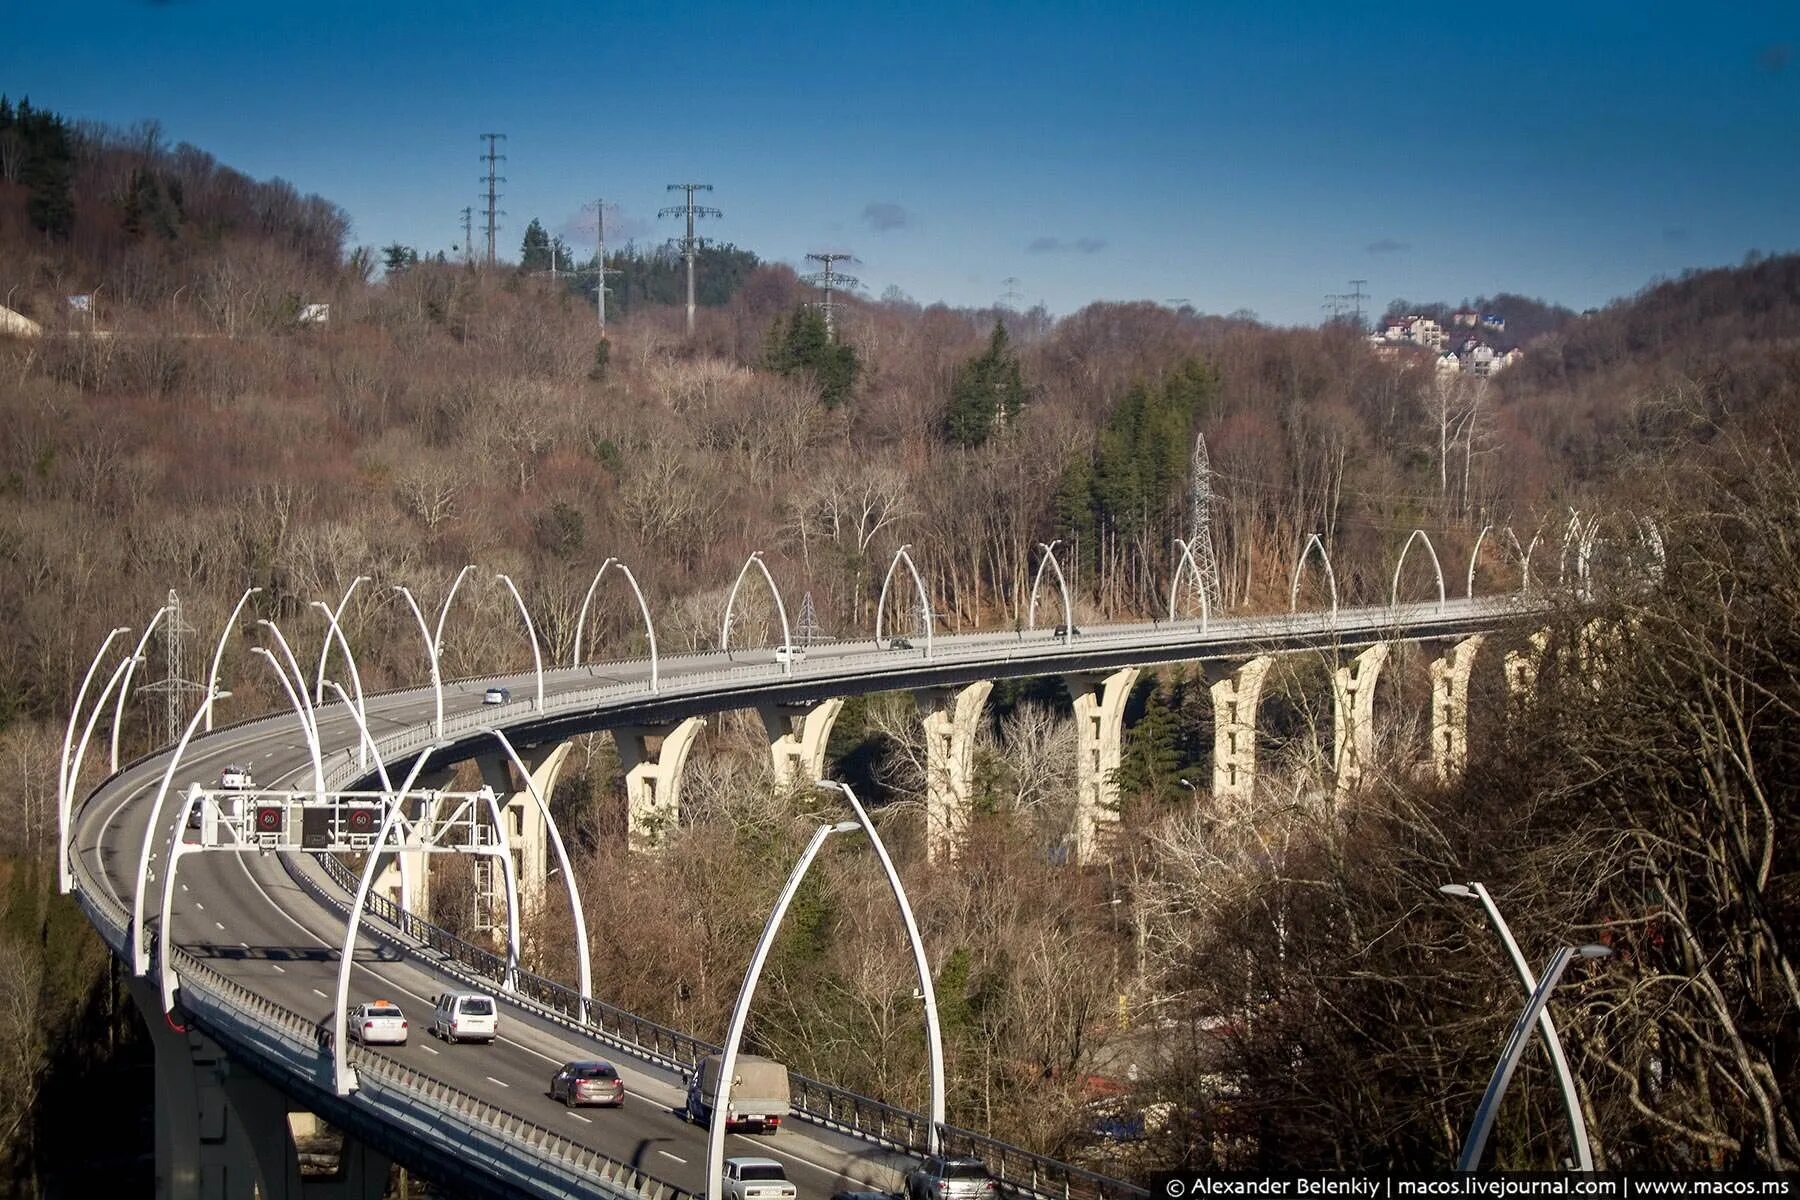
<point x="255" y="938"/>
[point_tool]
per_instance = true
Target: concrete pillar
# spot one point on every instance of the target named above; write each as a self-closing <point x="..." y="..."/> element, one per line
<point x="1235" y="700"/>
<point x="406" y="878"/>
<point x="1099" y="738"/>
<point x="526" y="830"/>
<point x="1353" y="716"/>
<point x="653" y="777"/>
<point x="1521" y="667"/>
<point x="797" y="737"/>
<point x="1450" y="708"/>
<point x="952" y="716"/>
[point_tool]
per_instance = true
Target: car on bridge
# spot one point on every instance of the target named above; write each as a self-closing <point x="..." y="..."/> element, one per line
<point x="379" y="1022"/>
<point x="496" y="695"/>
<point x="759" y="1093"/>
<point x="1067" y="631"/>
<point x="236" y="779"/>
<point x="756" y="1179"/>
<point x="942" y="1178"/>
<point x="465" y="1017"/>
<point x="588" y="1081"/>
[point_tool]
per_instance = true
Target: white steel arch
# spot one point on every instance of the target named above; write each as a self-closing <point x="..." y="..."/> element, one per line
<point x="212" y="674"/>
<point x="787" y="637"/>
<point x="1524" y="552"/>
<point x="140" y="957"/>
<point x="137" y="656"/>
<point x="437" y="639"/>
<point x="336" y="631"/>
<point x="123" y="669"/>
<point x="568" y="870"/>
<point x="1474" y="555"/>
<point x="337" y="615"/>
<point x="307" y="729"/>
<point x="1437" y="567"/>
<point x="537" y="657"/>
<point x="65" y="880"/>
<point x="1062" y="583"/>
<point x="643" y="609"/>
<point x="1313" y="539"/>
<point x="431" y="654"/>
<point x="900" y="556"/>
<point x="1186" y="559"/>
<point x="340" y="1068"/>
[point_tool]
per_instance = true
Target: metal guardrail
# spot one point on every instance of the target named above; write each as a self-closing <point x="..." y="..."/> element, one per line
<point x="824" y="1103"/>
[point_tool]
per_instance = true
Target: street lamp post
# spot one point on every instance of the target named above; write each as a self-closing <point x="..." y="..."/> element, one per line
<point x="721" y="1102"/>
<point x="1483" y="1125"/>
<point x="1584" y="1157"/>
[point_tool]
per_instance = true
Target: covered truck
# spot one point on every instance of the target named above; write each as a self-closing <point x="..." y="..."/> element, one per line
<point x="759" y="1093"/>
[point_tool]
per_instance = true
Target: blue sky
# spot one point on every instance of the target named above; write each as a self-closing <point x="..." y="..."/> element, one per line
<point x="1244" y="155"/>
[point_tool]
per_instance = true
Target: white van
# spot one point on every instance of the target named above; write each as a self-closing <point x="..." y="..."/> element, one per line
<point x="790" y="654"/>
<point x="465" y="1017"/>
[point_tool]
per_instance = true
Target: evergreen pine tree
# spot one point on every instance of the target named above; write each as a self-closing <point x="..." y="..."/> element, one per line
<point x="534" y="253"/>
<point x="988" y="391"/>
<point x="802" y="346"/>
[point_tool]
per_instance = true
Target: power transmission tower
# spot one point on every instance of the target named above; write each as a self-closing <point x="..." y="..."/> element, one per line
<point x="468" y="243"/>
<point x="690" y="245"/>
<point x="175" y="685"/>
<point x="491" y="179"/>
<point x="1356" y="296"/>
<point x="810" y="632"/>
<point x="828" y="280"/>
<point x="1200" y="540"/>
<point x="1011" y="296"/>
<point x="601" y="270"/>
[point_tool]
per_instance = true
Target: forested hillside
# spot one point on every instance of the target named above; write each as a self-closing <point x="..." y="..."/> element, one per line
<point x="446" y="415"/>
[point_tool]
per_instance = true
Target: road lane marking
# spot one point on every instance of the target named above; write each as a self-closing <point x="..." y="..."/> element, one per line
<point x="676" y="1157"/>
<point x="197" y="904"/>
<point x="279" y="969"/>
<point x="320" y="995"/>
<point x="501" y="1082"/>
<point x="582" y="1119"/>
<point x="218" y="927"/>
<point x="429" y="1049"/>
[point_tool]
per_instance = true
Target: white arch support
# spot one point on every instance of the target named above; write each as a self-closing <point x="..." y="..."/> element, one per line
<point x="537" y="657"/>
<point x="511" y="980"/>
<point x="1312" y="539"/>
<point x="787" y="638"/>
<point x="340" y="1068"/>
<point x="1418" y="535"/>
<point x="643" y="609"/>
<point x="900" y="556"/>
<point x="1571" y="545"/>
<point x="64" y="801"/>
<point x="177" y="848"/>
<point x="562" y="861"/>
<point x="140" y="957"/>
<point x="123" y="669"/>
<point x="306" y="726"/>
<point x="212" y="675"/>
<point x="337" y="615"/>
<point x="334" y="631"/>
<point x="137" y="656"/>
<point x="431" y="654"/>
<point x="1524" y="551"/>
<point x="1186" y="559"/>
<point x="1651" y="536"/>
<point x="437" y="639"/>
<point x="1474" y="555"/>
<point x="1062" y="583"/>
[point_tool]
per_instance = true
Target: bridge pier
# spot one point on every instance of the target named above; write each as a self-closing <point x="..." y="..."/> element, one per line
<point x="1099" y="741"/>
<point x="223" y="1133"/>
<point x="1353" y="716"/>
<point x="1235" y="699"/>
<point x="653" y="778"/>
<point x="1450" y="708"/>
<point x="526" y="831"/>
<point x="1521" y="667"/>
<point x="952" y="717"/>
<point x="797" y="738"/>
<point x="406" y="877"/>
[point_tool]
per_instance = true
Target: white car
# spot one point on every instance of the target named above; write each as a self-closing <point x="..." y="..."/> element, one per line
<point x="496" y="695"/>
<point x="756" y="1179"/>
<point x="236" y="779"/>
<point x="379" y="1022"/>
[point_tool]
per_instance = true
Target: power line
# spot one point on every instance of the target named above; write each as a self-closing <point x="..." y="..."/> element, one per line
<point x="690" y="245"/>
<point x="828" y="280"/>
<point x="493" y="196"/>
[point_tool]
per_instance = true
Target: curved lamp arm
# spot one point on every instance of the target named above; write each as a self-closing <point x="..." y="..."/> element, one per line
<point x="335" y="632"/>
<point x="649" y="625"/>
<point x="437" y="639"/>
<point x="64" y="801"/>
<point x="934" y="1038"/>
<point x="902" y="555"/>
<point x="1049" y="560"/>
<point x="312" y="736"/>
<point x="1416" y="536"/>
<point x="297" y="677"/>
<point x="1187" y="560"/>
<point x="1312" y="539"/>
<point x="63" y="849"/>
<point x="140" y="957"/>
<point x="721" y="1105"/>
<point x="340" y="1067"/>
<point x="787" y="638"/>
<point x="568" y="871"/>
<point x="212" y="675"/>
<point x="581" y="618"/>
<point x="1474" y="555"/>
<point x="537" y="658"/>
<point x="364" y="737"/>
<point x="164" y="933"/>
<point x="437" y="682"/>
<point x="336" y="614"/>
<point x="137" y="656"/>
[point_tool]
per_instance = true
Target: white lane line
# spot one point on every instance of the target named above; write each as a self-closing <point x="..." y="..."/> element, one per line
<point x="184" y="887"/>
<point x="245" y="945"/>
<point x="429" y="1049"/>
<point x="320" y="995"/>
<point x="218" y="927"/>
<point x="582" y="1119"/>
<point x="279" y="969"/>
<point x="676" y="1157"/>
<point x="201" y="907"/>
<point x="501" y="1082"/>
